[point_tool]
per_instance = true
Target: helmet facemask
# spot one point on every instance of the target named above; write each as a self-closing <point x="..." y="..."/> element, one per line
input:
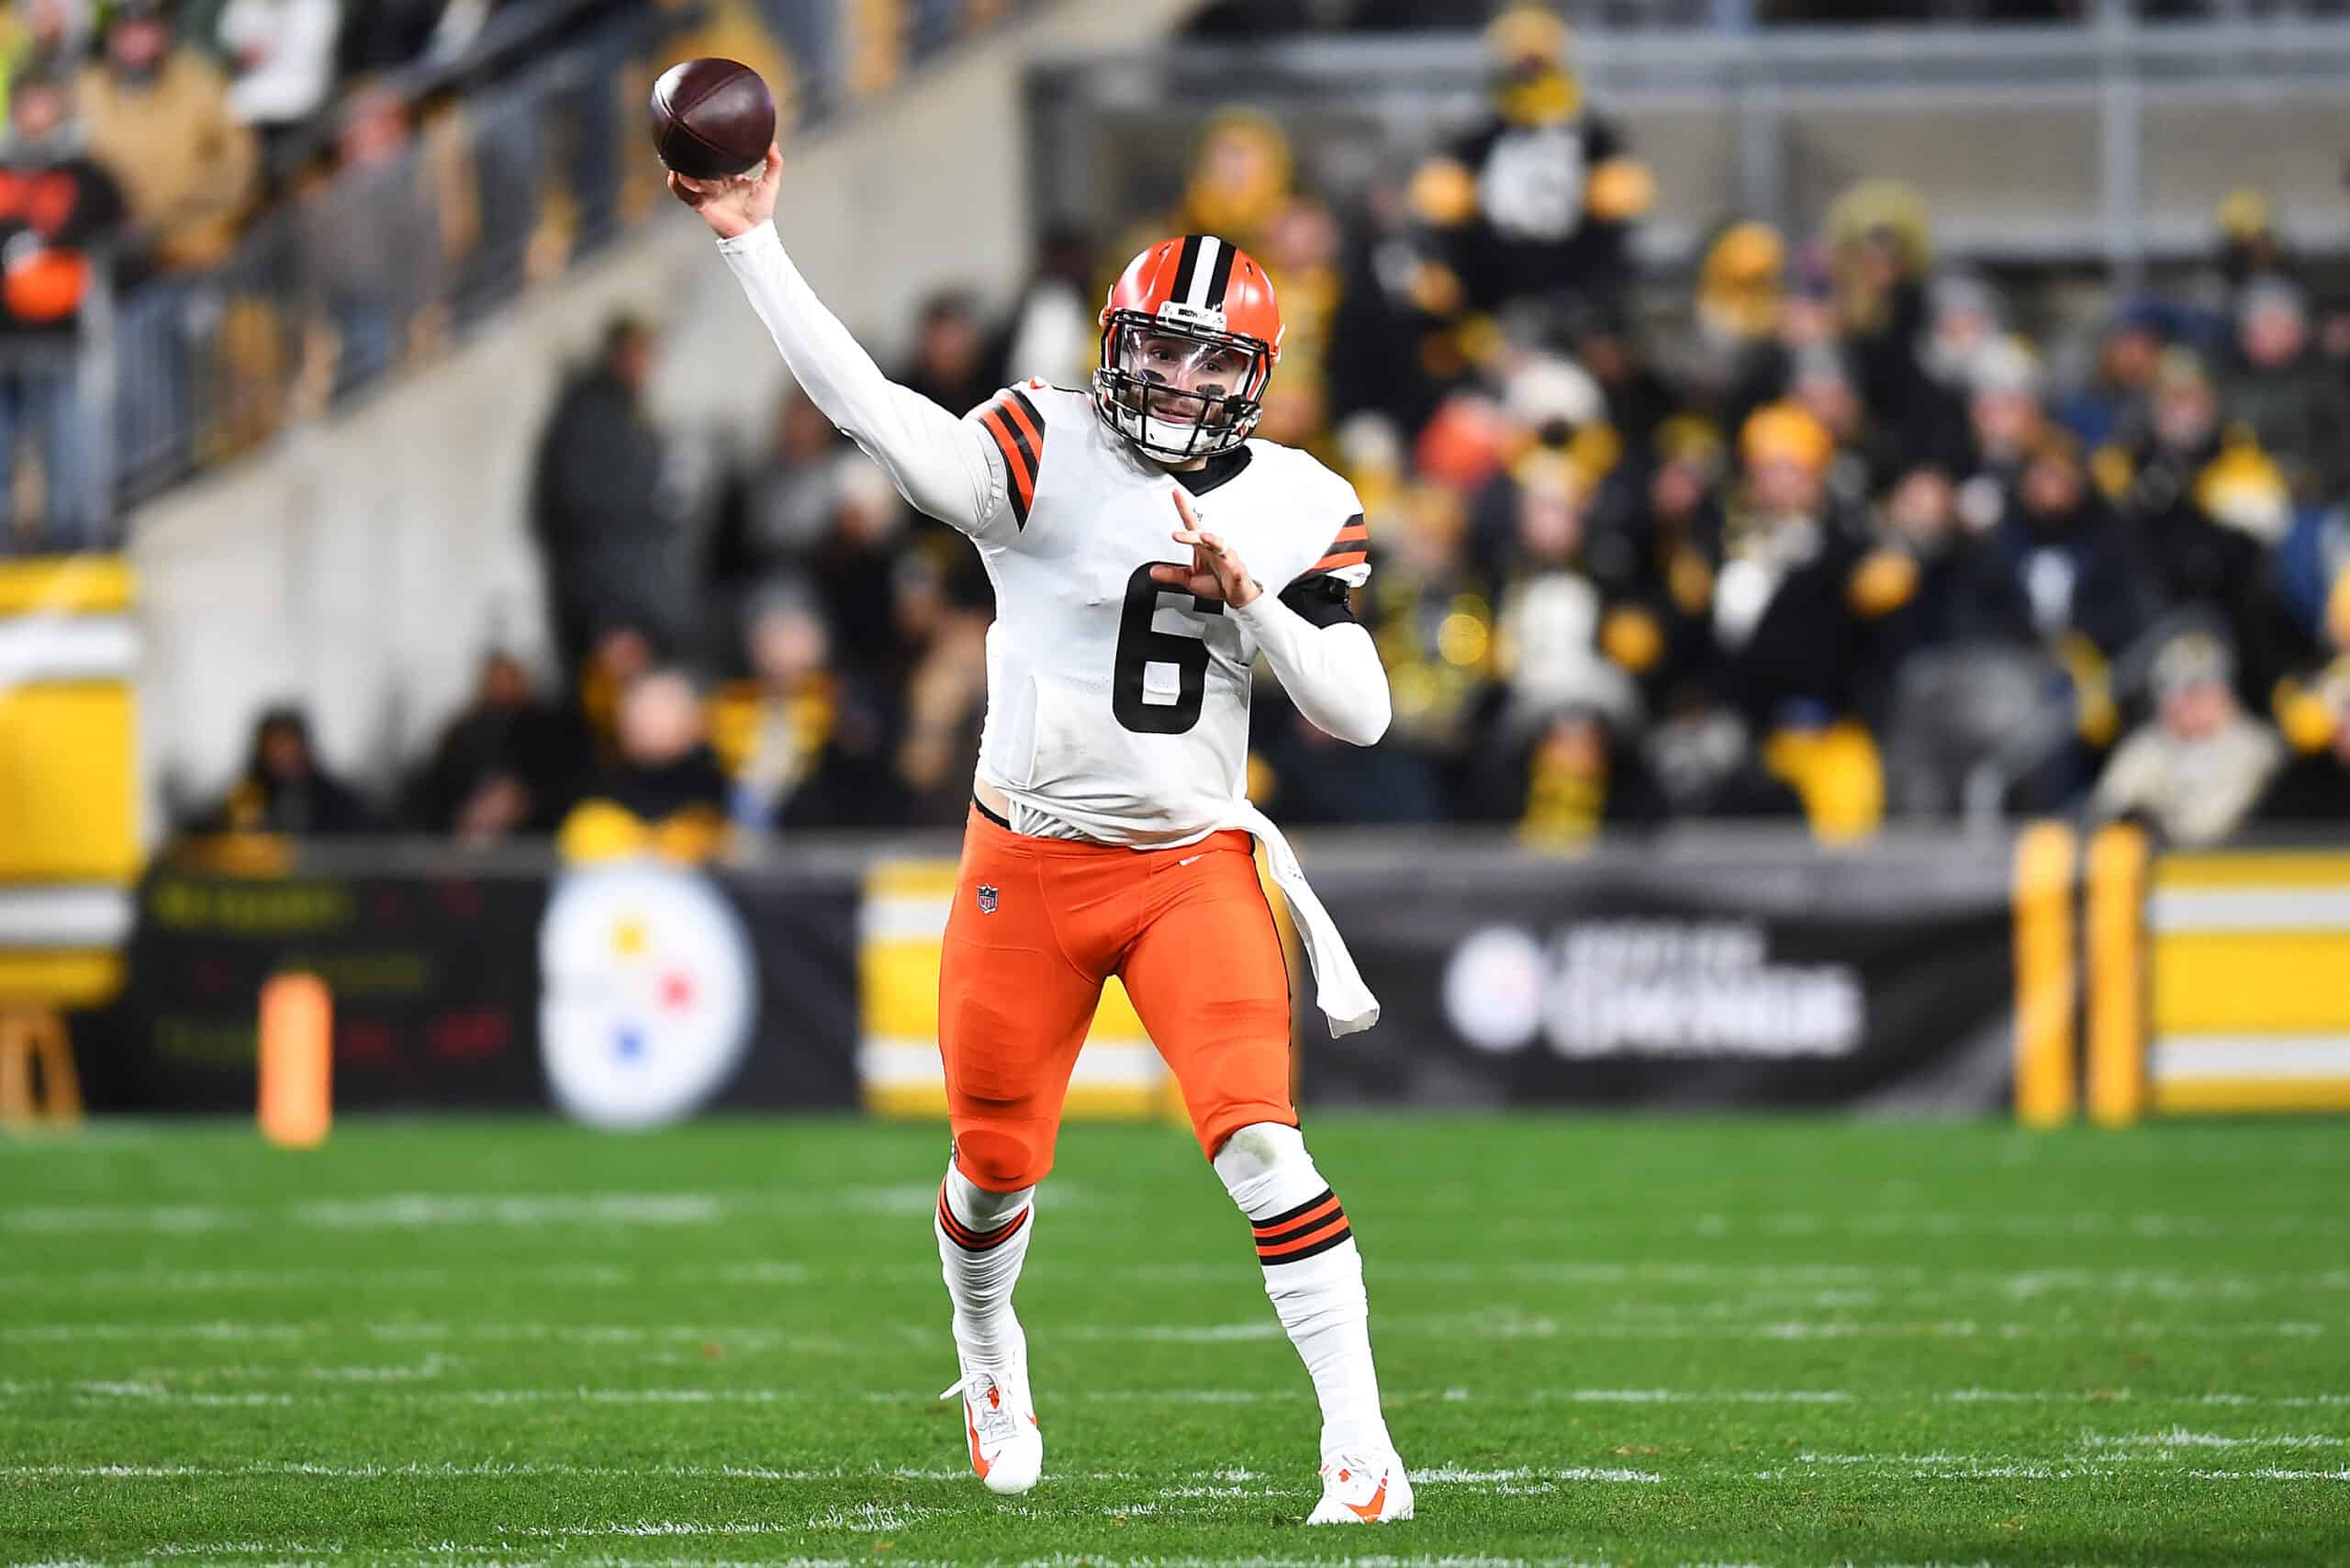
<point x="1177" y="384"/>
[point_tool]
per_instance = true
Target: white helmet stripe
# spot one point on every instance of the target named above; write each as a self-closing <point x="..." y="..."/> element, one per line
<point x="1202" y="269"/>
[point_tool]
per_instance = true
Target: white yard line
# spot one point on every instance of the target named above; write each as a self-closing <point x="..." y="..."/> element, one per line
<point x="480" y="1210"/>
<point x="346" y="1383"/>
<point x="1520" y="1480"/>
<point x="2181" y="1438"/>
<point x="1840" y="1283"/>
<point x="1452" y="1326"/>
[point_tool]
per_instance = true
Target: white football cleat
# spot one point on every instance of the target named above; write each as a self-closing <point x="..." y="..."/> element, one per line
<point x="1000" y="1418"/>
<point x="1362" y="1489"/>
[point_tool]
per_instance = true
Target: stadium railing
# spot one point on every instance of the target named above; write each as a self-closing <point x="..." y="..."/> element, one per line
<point x="310" y="310"/>
<point x="2132" y="126"/>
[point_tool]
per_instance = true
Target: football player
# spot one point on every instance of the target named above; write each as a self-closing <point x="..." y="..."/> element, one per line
<point x="1143" y="551"/>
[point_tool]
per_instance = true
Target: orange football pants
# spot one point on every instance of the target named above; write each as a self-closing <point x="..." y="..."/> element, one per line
<point x="1039" y="924"/>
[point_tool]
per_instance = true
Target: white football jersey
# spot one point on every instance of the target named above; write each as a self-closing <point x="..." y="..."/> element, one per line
<point x="1117" y="706"/>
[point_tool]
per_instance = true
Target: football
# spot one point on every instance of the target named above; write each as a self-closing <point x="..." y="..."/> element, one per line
<point x="711" y="119"/>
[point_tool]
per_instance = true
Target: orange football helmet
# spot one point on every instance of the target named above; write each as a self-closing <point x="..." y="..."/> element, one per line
<point x="1190" y="335"/>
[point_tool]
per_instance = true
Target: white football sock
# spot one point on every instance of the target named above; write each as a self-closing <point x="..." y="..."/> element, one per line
<point x="982" y="1241"/>
<point x="1314" y="1274"/>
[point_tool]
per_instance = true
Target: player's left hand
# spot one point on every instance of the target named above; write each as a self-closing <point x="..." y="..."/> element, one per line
<point x="1215" y="572"/>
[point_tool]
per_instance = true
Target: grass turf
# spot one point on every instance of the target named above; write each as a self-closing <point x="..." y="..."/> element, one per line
<point x="1775" y="1342"/>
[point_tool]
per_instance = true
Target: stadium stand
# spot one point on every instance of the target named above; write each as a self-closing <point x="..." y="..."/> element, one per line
<point x="1767" y="500"/>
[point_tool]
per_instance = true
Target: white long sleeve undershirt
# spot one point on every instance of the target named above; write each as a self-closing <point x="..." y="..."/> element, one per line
<point x="941" y="463"/>
<point x="1332" y="673"/>
<point x="949" y="467"/>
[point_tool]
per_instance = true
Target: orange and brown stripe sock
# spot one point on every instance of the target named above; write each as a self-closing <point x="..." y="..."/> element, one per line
<point x="971" y="1240"/>
<point x="982" y="1241"/>
<point x="1313" y="1275"/>
<point x="1308" y="1230"/>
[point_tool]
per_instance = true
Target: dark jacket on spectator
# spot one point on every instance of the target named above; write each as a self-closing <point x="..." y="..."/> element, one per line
<point x="2033" y="579"/>
<point x="656" y="791"/>
<point x="2313" y="788"/>
<point x="539" y="748"/>
<point x="611" y="554"/>
<point x="2300" y="415"/>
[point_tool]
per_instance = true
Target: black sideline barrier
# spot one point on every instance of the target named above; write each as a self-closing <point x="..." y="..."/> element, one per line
<point x="1704" y="971"/>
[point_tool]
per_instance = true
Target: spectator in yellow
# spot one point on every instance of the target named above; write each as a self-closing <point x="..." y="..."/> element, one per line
<point x="665" y="793"/>
<point x="1537" y="204"/>
<point x="159" y="119"/>
<point x="1798" y="603"/>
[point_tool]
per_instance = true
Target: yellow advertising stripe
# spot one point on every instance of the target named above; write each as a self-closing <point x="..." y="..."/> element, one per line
<point x="2251" y="981"/>
<point x="66" y="978"/>
<point x="2225" y="1096"/>
<point x="2047" y="1089"/>
<point x="67" y="584"/>
<point x="899" y="983"/>
<point x="2117" y="1010"/>
<point x="69" y="780"/>
<point x="1115" y="1022"/>
<point x="911" y="879"/>
<point x="2252" y="868"/>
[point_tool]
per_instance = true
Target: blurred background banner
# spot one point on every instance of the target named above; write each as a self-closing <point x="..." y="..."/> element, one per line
<point x="1736" y="975"/>
<point x="435" y="983"/>
<point x="620" y="997"/>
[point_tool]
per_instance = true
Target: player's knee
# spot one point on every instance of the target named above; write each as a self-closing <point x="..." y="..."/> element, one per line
<point x="1001" y="1161"/>
<point x="1266" y="1161"/>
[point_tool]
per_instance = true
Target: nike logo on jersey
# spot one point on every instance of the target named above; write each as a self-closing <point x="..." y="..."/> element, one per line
<point x="1188" y="859"/>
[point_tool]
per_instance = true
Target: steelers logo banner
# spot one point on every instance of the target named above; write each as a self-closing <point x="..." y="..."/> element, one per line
<point x="651" y="993"/>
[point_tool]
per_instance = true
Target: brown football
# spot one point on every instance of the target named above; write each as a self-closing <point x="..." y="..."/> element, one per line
<point x="711" y="119"/>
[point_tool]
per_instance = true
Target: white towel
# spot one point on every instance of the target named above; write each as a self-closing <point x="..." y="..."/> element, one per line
<point x="1339" y="986"/>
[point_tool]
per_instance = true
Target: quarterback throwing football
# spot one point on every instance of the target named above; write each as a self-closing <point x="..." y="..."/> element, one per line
<point x="1110" y="831"/>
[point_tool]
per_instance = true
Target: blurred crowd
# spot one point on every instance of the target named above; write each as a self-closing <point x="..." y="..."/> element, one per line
<point x="276" y="201"/>
<point x="1827" y="534"/>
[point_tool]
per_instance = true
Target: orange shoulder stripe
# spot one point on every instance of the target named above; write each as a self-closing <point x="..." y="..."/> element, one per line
<point x="1022" y="481"/>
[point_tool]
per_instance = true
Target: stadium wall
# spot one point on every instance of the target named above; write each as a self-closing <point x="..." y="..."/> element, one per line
<point x="364" y="562"/>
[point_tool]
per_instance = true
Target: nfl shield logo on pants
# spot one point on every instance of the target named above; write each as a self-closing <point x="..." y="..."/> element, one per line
<point x="987" y="898"/>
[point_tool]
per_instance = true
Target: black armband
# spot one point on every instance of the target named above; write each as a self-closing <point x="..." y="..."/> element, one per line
<point x="1321" y="598"/>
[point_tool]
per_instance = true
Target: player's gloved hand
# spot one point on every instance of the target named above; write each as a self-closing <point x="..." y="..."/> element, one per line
<point x="1215" y="572"/>
<point x="736" y="206"/>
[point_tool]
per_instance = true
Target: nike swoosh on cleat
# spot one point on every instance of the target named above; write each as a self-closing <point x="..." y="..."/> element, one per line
<point x="1369" y="1512"/>
<point x="980" y="1464"/>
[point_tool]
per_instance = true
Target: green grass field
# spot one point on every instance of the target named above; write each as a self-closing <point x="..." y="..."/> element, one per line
<point x="1635" y="1342"/>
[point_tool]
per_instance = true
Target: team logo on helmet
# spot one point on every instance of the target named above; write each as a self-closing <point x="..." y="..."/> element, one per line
<point x="1190" y="335"/>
